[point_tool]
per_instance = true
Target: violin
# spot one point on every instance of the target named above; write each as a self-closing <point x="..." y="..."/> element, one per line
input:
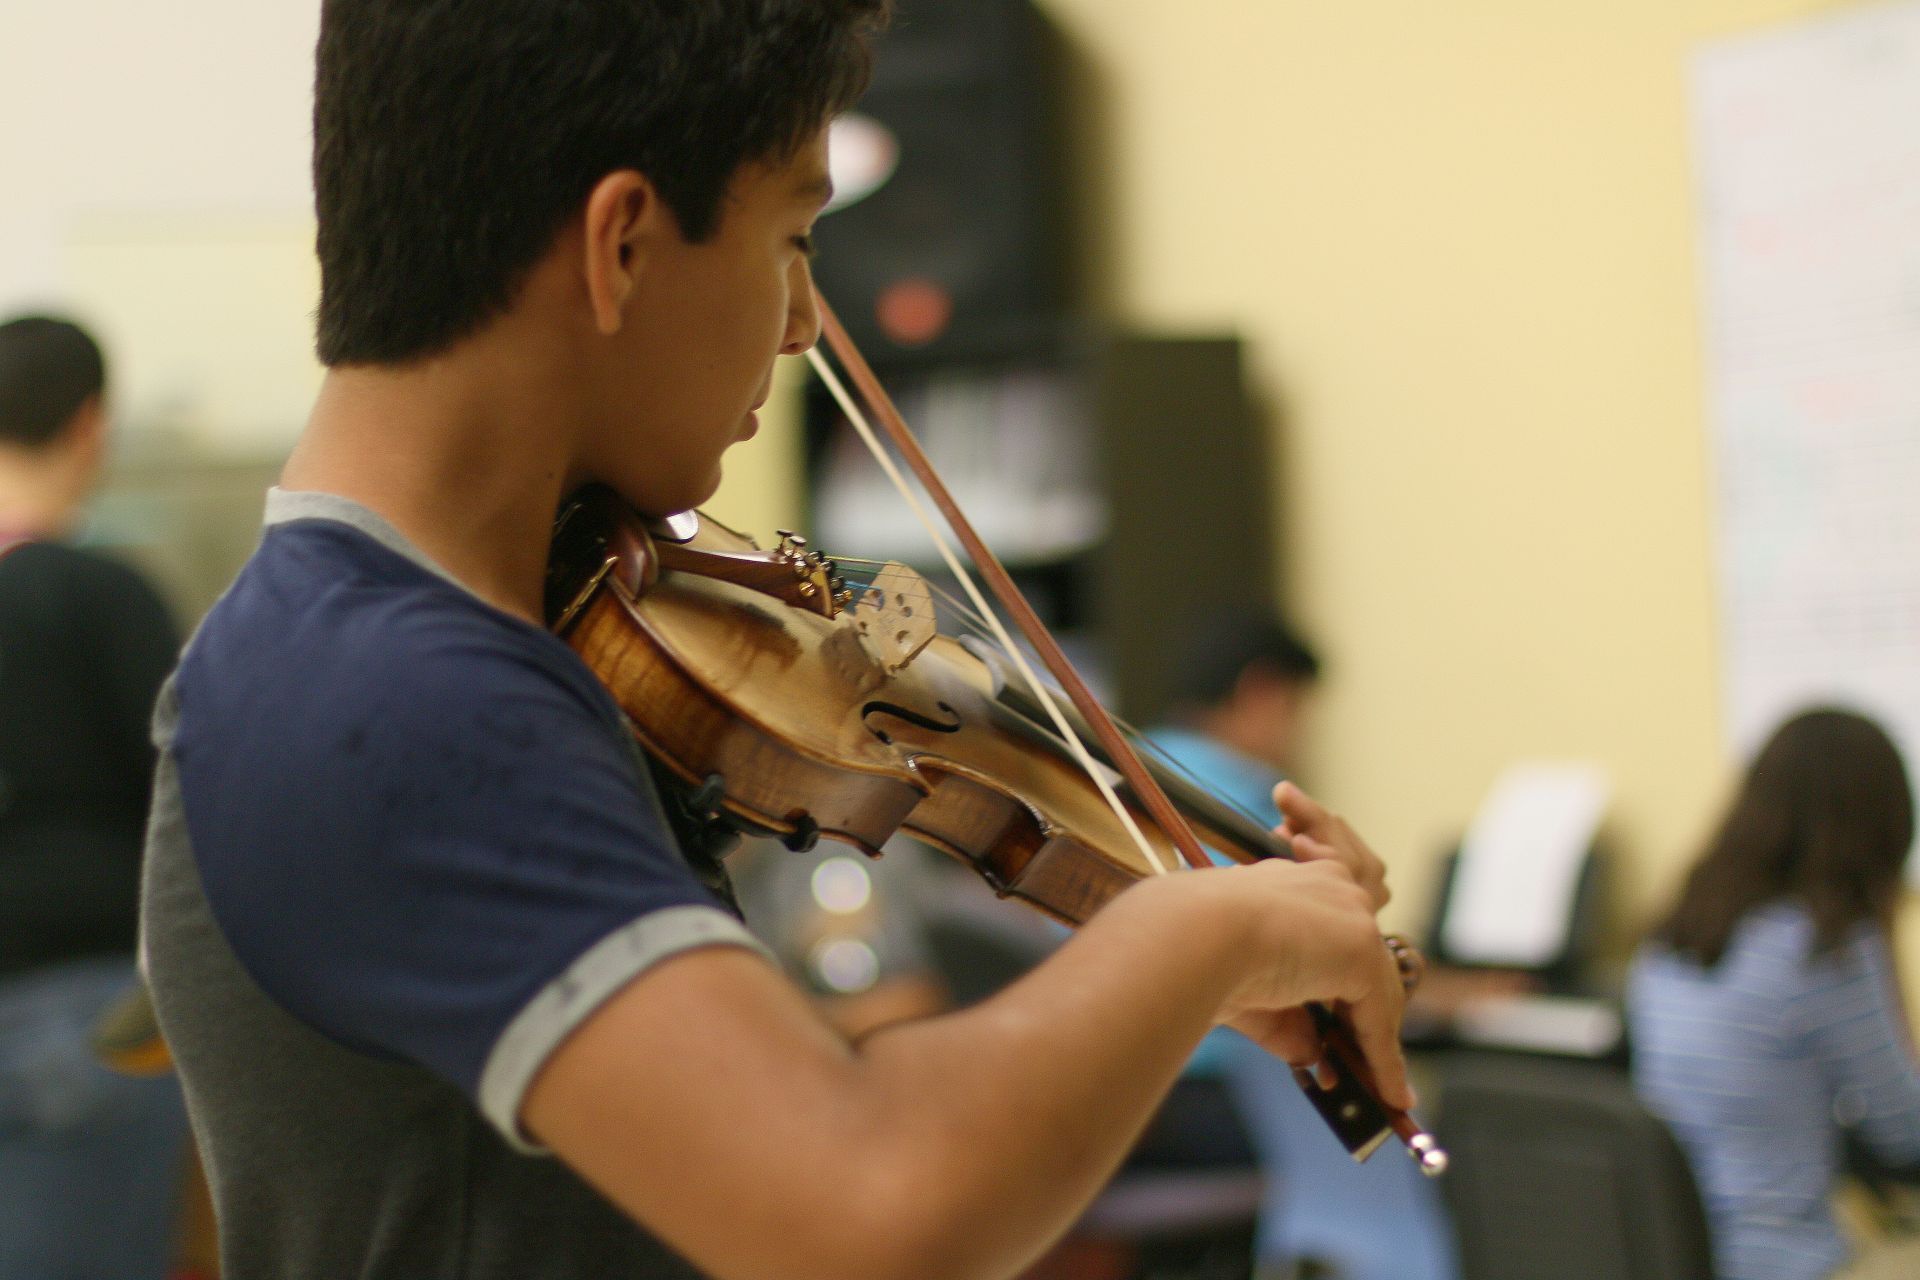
<point x="789" y="703"/>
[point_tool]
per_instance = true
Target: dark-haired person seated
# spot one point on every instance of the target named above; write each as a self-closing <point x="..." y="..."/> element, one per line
<point x="90" y="1162"/>
<point x="448" y="995"/>
<point x="1765" y="1013"/>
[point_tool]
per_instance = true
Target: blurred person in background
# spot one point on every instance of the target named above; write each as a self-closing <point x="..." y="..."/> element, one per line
<point x="90" y="1161"/>
<point x="1245" y="687"/>
<point x="1766" y="1017"/>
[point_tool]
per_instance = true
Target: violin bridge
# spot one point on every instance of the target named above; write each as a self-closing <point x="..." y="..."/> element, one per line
<point x="895" y="618"/>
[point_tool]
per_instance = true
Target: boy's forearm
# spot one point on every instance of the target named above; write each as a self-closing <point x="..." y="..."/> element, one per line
<point x="1046" y="1086"/>
<point x="957" y="1147"/>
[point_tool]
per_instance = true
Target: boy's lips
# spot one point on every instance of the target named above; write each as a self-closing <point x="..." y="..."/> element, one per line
<point x="753" y="417"/>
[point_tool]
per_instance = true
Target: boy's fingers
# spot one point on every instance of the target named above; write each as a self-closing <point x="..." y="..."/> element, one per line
<point x="1376" y="1029"/>
<point x="1388" y="1063"/>
<point x="1367" y="871"/>
<point x="1301" y="809"/>
<point x="1308" y="849"/>
<point x="1287" y="1034"/>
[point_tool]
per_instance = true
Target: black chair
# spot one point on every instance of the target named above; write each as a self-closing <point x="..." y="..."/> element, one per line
<point x="1559" y="1171"/>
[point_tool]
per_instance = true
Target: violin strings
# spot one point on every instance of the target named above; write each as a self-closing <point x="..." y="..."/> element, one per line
<point x="1138" y="737"/>
<point x="971" y="623"/>
<point x="965" y="579"/>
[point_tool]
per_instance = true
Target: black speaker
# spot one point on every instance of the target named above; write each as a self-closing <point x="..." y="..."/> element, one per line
<point x="962" y="252"/>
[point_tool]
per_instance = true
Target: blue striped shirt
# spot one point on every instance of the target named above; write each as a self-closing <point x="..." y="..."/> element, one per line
<point x="1758" y="1063"/>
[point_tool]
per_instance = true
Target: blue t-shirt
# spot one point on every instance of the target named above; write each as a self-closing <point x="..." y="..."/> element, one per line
<point x="420" y="822"/>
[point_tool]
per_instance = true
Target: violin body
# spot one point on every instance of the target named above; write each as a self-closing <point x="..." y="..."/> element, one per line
<point x="812" y="730"/>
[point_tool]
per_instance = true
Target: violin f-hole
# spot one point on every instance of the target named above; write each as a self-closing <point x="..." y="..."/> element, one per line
<point x="912" y="717"/>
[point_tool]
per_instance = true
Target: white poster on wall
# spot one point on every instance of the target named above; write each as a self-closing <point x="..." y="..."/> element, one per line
<point x="1807" y="141"/>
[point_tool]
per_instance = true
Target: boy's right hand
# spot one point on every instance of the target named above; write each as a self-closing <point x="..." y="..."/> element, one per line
<point x="1312" y="937"/>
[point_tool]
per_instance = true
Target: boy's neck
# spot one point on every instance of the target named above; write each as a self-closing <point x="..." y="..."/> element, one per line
<point x="466" y="454"/>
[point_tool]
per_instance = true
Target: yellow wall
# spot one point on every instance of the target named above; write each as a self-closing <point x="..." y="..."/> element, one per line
<point x="1459" y="239"/>
<point x="761" y="491"/>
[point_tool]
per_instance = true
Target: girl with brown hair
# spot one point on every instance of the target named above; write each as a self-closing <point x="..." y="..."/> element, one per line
<point x="1765" y="1013"/>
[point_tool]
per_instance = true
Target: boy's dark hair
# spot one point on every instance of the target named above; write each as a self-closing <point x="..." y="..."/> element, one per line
<point x="1222" y="647"/>
<point x="453" y="138"/>
<point x="48" y="369"/>
<point x="1824" y="818"/>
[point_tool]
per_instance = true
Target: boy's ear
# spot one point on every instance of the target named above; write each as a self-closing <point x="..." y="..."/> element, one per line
<point x="624" y="215"/>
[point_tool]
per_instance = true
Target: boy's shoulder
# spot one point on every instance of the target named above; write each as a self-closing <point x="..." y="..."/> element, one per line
<point x="337" y="619"/>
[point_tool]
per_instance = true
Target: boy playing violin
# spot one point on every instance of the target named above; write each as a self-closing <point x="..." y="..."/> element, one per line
<point x="446" y="996"/>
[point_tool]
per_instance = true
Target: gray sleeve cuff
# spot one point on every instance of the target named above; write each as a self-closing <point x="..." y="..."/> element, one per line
<point x="566" y="1002"/>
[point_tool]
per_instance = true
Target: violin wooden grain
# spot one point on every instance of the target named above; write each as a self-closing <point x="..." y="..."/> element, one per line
<point x="719" y="678"/>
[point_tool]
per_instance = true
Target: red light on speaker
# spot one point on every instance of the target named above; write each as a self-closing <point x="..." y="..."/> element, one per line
<point x="914" y="311"/>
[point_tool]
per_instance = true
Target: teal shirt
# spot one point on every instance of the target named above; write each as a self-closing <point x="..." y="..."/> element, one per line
<point x="1242" y="781"/>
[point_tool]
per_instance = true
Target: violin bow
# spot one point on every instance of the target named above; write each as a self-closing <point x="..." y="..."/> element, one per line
<point x="1010" y="597"/>
<point x="1420" y="1144"/>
